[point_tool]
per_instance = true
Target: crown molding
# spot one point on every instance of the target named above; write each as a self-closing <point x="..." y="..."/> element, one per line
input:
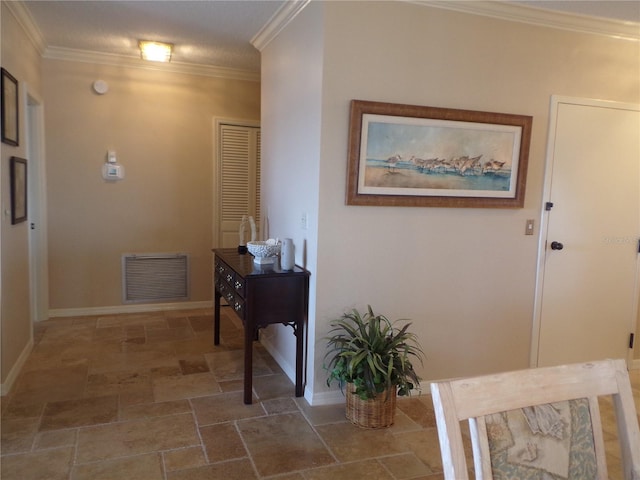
<point x="30" y="27"/>
<point x="536" y="16"/>
<point x="490" y="8"/>
<point x="277" y="22"/>
<point x="500" y="9"/>
<point x="28" y="24"/>
<point x="85" y="56"/>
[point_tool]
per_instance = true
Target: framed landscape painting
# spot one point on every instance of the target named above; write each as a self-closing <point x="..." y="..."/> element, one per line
<point x="406" y="155"/>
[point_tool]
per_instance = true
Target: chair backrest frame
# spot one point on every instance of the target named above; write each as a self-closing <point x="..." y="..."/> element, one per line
<point x="473" y="398"/>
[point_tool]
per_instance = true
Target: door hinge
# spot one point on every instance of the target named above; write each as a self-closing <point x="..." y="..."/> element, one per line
<point x="638" y="245"/>
<point x="548" y="206"/>
<point x="631" y="338"/>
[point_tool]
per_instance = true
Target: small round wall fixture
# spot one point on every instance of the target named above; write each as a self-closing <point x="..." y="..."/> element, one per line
<point x="100" y="87"/>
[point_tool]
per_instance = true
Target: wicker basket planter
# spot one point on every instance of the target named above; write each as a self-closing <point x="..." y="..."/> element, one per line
<point x="368" y="353"/>
<point x="378" y="412"/>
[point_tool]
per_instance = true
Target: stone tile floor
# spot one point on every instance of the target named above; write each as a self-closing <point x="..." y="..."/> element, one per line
<point x="149" y="397"/>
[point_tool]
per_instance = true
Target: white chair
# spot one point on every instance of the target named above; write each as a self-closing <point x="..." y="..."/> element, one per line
<point x="537" y="421"/>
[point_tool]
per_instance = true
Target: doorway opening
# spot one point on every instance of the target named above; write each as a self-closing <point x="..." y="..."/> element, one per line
<point x="36" y="209"/>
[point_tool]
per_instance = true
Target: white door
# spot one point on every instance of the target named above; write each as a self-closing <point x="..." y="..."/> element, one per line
<point x="587" y="290"/>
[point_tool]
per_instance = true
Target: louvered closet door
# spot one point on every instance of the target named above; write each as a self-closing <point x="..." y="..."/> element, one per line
<point x="239" y="180"/>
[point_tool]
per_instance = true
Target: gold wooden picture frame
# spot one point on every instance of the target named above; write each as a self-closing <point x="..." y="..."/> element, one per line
<point x="418" y="156"/>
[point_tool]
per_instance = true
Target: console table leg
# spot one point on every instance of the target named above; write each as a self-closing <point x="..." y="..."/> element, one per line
<point x="299" y="332"/>
<point x="216" y="318"/>
<point x="248" y="364"/>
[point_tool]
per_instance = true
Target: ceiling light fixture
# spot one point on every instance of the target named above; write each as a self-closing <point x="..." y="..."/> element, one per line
<point x="155" y="51"/>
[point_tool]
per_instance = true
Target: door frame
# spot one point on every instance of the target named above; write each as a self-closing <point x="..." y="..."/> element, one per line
<point x="555" y="102"/>
<point x="37" y="206"/>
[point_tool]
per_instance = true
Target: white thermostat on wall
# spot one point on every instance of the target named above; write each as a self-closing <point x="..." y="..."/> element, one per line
<point x="111" y="170"/>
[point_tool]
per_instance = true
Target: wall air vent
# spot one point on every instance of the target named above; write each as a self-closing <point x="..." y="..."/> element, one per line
<point x="155" y="277"/>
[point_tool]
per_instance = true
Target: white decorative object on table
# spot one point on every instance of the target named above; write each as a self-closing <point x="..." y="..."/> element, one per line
<point x="242" y="233"/>
<point x="264" y="252"/>
<point x="287" y="256"/>
<point x="252" y="223"/>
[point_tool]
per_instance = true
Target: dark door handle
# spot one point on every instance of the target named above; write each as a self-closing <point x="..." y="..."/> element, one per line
<point x="556" y="246"/>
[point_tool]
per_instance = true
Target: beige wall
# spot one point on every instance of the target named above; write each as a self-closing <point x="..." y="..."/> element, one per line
<point x="291" y="153"/>
<point x="466" y="277"/>
<point x="161" y="127"/>
<point x="20" y="59"/>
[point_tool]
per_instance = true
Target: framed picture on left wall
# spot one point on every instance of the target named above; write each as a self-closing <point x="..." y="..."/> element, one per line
<point x="18" y="173"/>
<point x="9" y="96"/>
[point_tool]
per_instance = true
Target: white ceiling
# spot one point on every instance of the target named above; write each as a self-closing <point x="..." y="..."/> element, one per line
<point x="211" y="32"/>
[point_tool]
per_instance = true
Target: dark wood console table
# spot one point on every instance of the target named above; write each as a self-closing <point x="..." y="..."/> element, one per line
<point x="261" y="295"/>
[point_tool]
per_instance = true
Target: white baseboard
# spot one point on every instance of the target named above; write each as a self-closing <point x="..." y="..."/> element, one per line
<point x="324" y="398"/>
<point x="137" y="308"/>
<point x="333" y="397"/>
<point x="5" y="387"/>
<point x="289" y="371"/>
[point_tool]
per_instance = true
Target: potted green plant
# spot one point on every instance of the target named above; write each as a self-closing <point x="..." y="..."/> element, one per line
<point x="372" y="357"/>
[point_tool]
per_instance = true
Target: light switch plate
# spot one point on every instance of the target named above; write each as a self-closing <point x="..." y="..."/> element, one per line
<point x="530" y="225"/>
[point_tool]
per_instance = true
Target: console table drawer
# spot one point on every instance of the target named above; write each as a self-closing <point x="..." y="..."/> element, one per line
<point x="224" y="273"/>
<point x="238" y="285"/>
<point x="238" y="307"/>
